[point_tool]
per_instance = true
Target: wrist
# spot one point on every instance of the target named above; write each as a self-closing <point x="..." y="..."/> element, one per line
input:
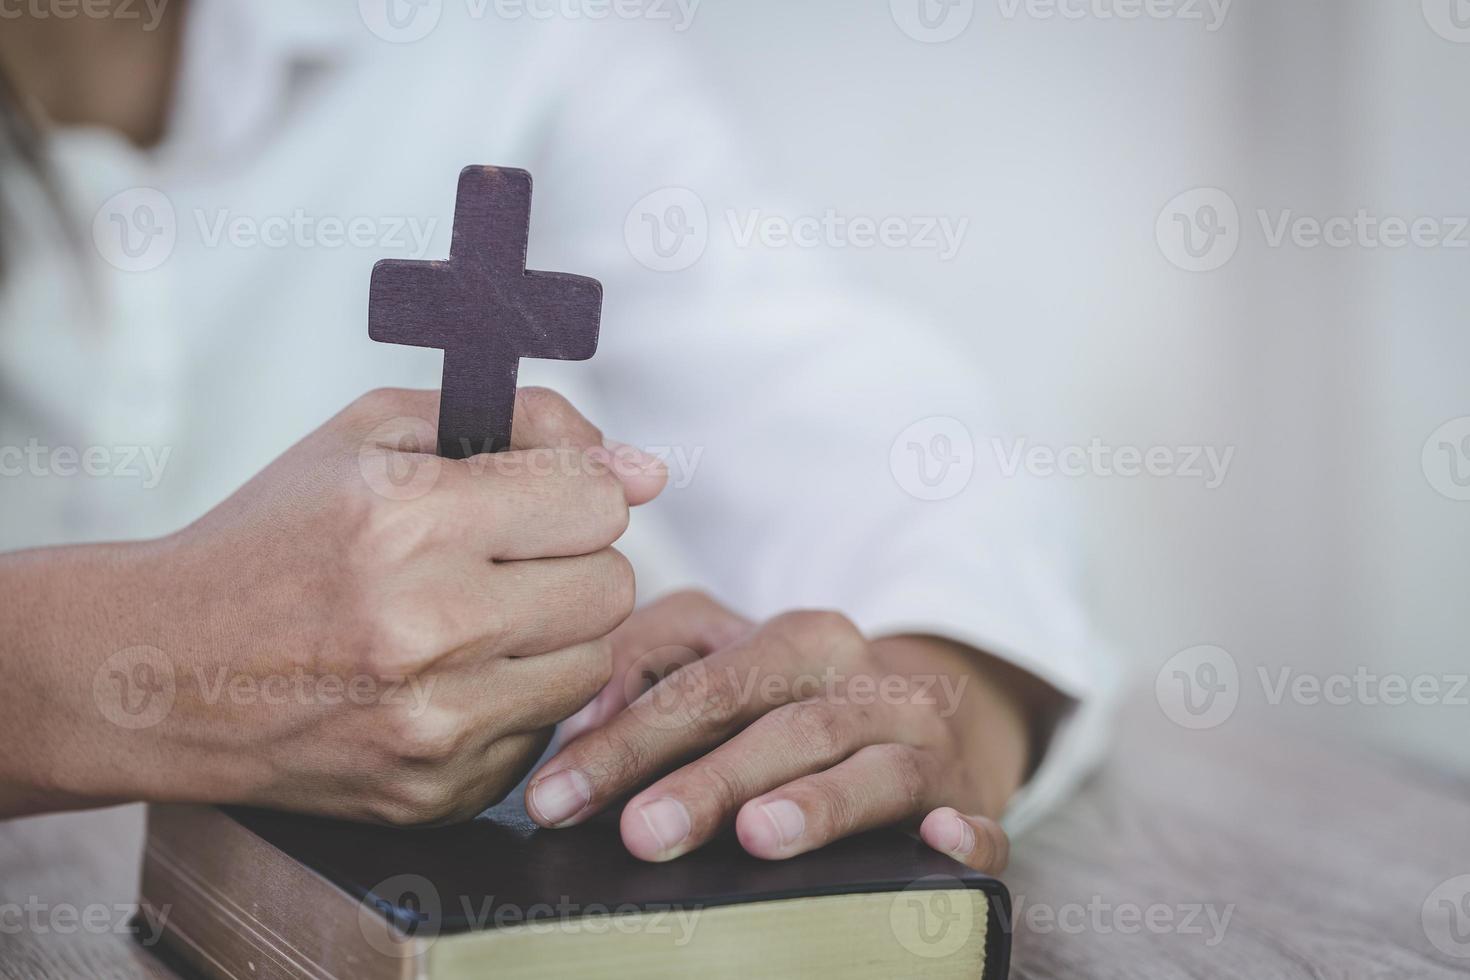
<point x="992" y="711"/>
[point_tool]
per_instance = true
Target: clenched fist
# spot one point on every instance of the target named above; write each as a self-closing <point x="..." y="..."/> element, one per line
<point x="364" y="630"/>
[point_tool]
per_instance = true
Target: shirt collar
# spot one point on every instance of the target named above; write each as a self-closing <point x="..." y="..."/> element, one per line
<point x="241" y="63"/>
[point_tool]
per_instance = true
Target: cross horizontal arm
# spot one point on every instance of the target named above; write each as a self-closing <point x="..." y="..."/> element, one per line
<point x="560" y="317"/>
<point x="413" y="303"/>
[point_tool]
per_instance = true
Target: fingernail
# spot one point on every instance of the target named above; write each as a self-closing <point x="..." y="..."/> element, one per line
<point x="560" y="797"/>
<point x="631" y="459"/>
<point x="667" y="821"/>
<point x="957" y="836"/>
<point x="787" y="818"/>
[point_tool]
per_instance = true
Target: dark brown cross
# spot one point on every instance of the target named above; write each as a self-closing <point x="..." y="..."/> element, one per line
<point x="485" y="310"/>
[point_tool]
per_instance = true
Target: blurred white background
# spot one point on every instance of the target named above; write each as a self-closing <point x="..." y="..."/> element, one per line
<point x="1068" y="140"/>
<point x="1327" y="550"/>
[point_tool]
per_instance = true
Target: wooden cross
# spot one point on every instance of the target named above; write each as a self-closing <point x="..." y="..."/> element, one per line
<point x="485" y="310"/>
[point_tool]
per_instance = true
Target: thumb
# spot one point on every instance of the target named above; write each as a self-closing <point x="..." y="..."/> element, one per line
<point x="977" y="842"/>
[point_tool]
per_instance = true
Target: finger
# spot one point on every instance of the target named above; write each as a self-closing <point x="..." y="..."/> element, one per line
<point x="544" y="418"/>
<point x="406" y="421"/>
<point x="548" y="688"/>
<point x="535" y="503"/>
<point x="978" y="842"/>
<point x="381" y="405"/>
<point x="696" y="708"/>
<point x="551" y="603"/>
<point x="643" y="474"/>
<point x="687" y="808"/>
<point x="669" y="633"/>
<point x="626" y="683"/>
<point x="879" y="785"/>
<point x="515" y="609"/>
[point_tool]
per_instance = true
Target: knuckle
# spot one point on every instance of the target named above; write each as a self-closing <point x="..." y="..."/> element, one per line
<point x="392" y="813"/>
<point x="721" y="786"/>
<point x="692" y="697"/>
<point x="552" y="417"/>
<point x="381" y="403"/>
<point x="712" y="696"/>
<point x="836" y="811"/>
<point x="815" y="637"/>
<point x="838" y="637"/>
<point x="620" y="585"/>
<point x="837" y="633"/>
<point x="908" y="770"/>
<point x="600" y="666"/>
<point x="606" y="590"/>
<point x="609" y="505"/>
<point x="402" y="638"/>
<point x="818" y="728"/>
<point x="543" y="404"/>
<point x="416" y="802"/>
<point x="433" y="801"/>
<point x="620" y="759"/>
<point x="819" y="630"/>
<point x="434" y="736"/>
<point x="589" y="668"/>
<point x="382" y="533"/>
<point x="377" y="402"/>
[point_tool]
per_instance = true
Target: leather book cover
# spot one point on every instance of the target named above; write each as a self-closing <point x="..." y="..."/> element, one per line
<point x="502" y="870"/>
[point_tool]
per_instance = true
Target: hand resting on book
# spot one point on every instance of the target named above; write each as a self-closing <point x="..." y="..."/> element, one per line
<point x="802" y="731"/>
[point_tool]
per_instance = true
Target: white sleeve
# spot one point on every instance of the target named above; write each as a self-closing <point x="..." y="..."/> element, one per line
<point x="798" y="402"/>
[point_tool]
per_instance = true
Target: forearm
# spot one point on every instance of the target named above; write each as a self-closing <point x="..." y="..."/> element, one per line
<point x="66" y="611"/>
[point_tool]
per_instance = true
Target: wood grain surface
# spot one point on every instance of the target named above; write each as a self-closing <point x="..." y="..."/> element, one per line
<point x="1240" y="852"/>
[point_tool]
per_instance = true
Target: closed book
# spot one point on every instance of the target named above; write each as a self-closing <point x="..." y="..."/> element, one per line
<point x="254" y="894"/>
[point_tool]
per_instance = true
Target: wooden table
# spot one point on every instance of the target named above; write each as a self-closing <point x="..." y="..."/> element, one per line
<point x="1243" y="852"/>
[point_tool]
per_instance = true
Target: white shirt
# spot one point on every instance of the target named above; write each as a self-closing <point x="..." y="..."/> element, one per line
<point x="226" y="318"/>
